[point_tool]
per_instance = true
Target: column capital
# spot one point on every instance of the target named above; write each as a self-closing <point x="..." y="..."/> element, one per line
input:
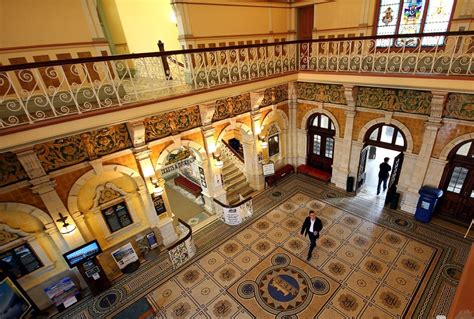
<point x="43" y="187"/>
<point x="256" y="98"/>
<point x="30" y="162"/>
<point x="207" y="111"/>
<point x="437" y="105"/>
<point x="142" y="154"/>
<point x="350" y="92"/>
<point x="137" y="132"/>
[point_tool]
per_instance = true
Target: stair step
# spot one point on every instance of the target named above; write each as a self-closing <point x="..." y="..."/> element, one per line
<point x="238" y="189"/>
<point x="229" y="170"/>
<point x="235" y="183"/>
<point x="229" y="178"/>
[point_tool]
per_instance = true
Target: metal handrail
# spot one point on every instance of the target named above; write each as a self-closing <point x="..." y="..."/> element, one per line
<point x="233" y="47"/>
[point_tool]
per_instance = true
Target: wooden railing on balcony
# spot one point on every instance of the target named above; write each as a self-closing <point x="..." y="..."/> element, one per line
<point x="35" y="92"/>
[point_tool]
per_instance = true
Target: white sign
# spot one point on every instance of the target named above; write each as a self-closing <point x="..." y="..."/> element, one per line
<point x="124" y="255"/>
<point x="268" y="169"/>
<point x="232" y="216"/>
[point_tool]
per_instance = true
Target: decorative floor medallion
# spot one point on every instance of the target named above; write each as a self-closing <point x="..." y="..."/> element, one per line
<point x="284" y="286"/>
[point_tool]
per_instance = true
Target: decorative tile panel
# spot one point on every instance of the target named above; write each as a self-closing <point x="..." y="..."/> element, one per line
<point x="172" y="122"/>
<point x="232" y="106"/>
<point x="107" y="140"/>
<point x="61" y="152"/>
<point x="460" y="106"/>
<point x="328" y="93"/>
<point x="275" y="95"/>
<point x="11" y="170"/>
<point x="408" y="101"/>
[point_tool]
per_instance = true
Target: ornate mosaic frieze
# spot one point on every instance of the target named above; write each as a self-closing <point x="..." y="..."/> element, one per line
<point x="408" y="101"/>
<point x="7" y="237"/>
<point x="460" y="106"/>
<point x="232" y="106"/>
<point x="11" y="170"/>
<point x="328" y="93"/>
<point x="172" y="122"/>
<point x="61" y="152"/>
<point x="107" y="140"/>
<point x="275" y="95"/>
<point x="78" y="148"/>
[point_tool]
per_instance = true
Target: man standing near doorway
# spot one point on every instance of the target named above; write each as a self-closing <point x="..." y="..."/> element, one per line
<point x="383" y="174"/>
<point x="311" y="227"/>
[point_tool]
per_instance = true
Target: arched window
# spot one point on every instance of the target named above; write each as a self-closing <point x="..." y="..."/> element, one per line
<point x="321" y="132"/>
<point x="410" y="17"/>
<point x="387" y="136"/>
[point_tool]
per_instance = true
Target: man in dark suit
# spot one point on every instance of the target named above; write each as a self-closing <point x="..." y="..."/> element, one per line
<point x="311" y="227"/>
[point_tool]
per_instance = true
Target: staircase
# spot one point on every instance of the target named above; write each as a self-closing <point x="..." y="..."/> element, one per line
<point x="233" y="180"/>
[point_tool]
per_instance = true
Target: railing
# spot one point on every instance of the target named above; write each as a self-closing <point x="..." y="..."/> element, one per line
<point x="184" y="248"/>
<point x="32" y="93"/>
<point x="230" y="154"/>
<point x="234" y="214"/>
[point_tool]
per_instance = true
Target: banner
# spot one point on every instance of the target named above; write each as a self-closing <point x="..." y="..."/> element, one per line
<point x="124" y="255"/>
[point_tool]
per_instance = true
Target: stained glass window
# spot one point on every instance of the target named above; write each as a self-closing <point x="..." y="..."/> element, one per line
<point x="411" y="17"/>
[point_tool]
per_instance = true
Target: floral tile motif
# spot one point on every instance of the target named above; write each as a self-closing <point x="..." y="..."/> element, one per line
<point x="11" y="170"/>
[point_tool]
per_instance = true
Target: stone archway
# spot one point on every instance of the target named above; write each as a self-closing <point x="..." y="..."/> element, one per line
<point x="454" y="143"/>
<point x="308" y="114"/>
<point x="197" y="149"/>
<point x="393" y="122"/>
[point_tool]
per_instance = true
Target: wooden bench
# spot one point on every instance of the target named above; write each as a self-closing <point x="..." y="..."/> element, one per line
<point x="279" y="174"/>
<point x="187" y="185"/>
<point x="314" y="172"/>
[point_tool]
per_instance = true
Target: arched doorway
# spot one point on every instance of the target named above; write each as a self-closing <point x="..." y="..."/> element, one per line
<point x="320" y="149"/>
<point x="380" y="141"/>
<point x="458" y="183"/>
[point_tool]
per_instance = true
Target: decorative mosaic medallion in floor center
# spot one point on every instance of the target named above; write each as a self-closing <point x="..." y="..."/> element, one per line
<point x="285" y="286"/>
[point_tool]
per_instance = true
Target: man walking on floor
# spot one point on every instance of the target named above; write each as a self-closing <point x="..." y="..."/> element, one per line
<point x="383" y="174"/>
<point x="311" y="227"/>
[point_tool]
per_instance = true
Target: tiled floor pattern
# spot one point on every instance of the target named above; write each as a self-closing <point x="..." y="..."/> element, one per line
<point x="359" y="269"/>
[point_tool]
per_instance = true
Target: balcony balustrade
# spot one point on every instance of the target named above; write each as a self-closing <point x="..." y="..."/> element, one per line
<point x="37" y="92"/>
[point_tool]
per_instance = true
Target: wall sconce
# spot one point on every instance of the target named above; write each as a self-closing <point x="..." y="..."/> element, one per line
<point x="158" y="190"/>
<point x="218" y="162"/>
<point x="66" y="228"/>
<point x="263" y="142"/>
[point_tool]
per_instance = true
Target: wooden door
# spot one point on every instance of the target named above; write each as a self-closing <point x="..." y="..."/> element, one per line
<point x="362" y="165"/>
<point x="394" y="177"/>
<point x="458" y="198"/>
<point x="305" y="22"/>
<point x="320" y="151"/>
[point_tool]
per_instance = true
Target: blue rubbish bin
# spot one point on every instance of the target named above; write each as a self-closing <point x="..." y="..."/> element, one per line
<point x="429" y="197"/>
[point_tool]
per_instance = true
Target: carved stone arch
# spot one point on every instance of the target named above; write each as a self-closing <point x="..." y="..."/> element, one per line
<point x="308" y="114"/>
<point x="42" y="216"/>
<point x="200" y="152"/>
<point x="383" y="120"/>
<point x="453" y="143"/>
<point x="280" y="113"/>
<point x="231" y="126"/>
<point x="81" y="181"/>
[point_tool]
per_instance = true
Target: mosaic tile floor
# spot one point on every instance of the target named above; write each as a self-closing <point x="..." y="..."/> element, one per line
<point x="369" y="263"/>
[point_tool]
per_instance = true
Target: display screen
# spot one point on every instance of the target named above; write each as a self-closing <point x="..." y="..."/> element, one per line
<point x="82" y="254"/>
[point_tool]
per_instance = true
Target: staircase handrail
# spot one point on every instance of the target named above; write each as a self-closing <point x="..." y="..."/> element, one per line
<point x="240" y="157"/>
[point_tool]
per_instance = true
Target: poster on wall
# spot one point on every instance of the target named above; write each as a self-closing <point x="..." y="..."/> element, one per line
<point x="63" y="293"/>
<point x="124" y="255"/>
<point x="159" y="205"/>
<point x="268" y="169"/>
<point x="13" y="303"/>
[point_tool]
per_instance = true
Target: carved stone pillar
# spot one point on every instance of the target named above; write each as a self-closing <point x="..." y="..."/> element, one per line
<point x="213" y="173"/>
<point x="46" y="189"/>
<point x="409" y="201"/>
<point x="292" y="132"/>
